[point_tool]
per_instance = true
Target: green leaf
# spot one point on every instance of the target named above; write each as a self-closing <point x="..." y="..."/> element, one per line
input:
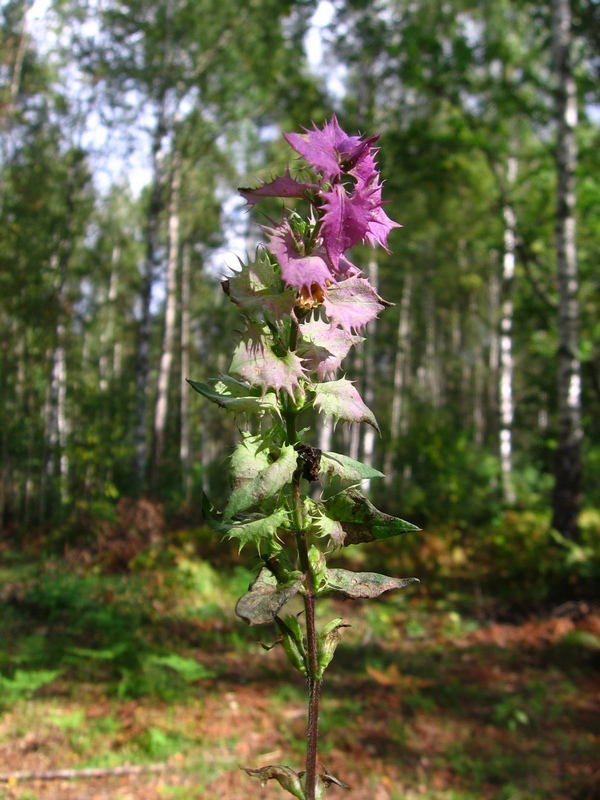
<point x="265" y="597"/>
<point x="259" y="530"/>
<point x="250" y="458"/>
<point x="256" y="477"/>
<point x="336" y="464"/>
<point x="345" y="583"/>
<point x="324" y="526"/>
<point x="327" y="642"/>
<point x="258" y="288"/>
<point x="340" y="400"/>
<point x="293" y="642"/>
<point x="212" y="516"/>
<point x="318" y="566"/>
<point x="361" y="521"/>
<point x="232" y="395"/>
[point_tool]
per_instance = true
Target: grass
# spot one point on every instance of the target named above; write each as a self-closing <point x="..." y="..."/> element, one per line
<point x="426" y="698"/>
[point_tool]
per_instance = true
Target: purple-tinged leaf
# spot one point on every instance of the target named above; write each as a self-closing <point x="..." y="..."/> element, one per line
<point x="299" y="269"/>
<point x="352" y="304"/>
<point x="324" y="347"/>
<point x="340" y="400"/>
<point x="254" y="360"/>
<point x="282" y="186"/>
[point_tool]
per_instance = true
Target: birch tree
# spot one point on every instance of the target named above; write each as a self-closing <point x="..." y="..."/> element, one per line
<point x="166" y="358"/>
<point x="566" y="497"/>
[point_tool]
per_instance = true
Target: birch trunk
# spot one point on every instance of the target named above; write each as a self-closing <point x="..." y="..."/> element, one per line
<point x="166" y="358"/>
<point x="142" y="369"/>
<point x="506" y="352"/>
<point x="59" y="395"/>
<point x="351" y="433"/>
<point x="55" y="425"/>
<point x="55" y="412"/>
<point x="107" y="334"/>
<point x="368" y="444"/>
<point x="566" y="496"/>
<point x="185" y="451"/>
<point x="15" y="86"/>
<point x="401" y="373"/>
<point x="478" y="382"/>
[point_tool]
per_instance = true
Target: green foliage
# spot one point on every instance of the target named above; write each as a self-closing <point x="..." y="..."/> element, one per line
<point x="448" y="477"/>
<point x="521" y="550"/>
<point x="102" y="628"/>
<point x="24" y="683"/>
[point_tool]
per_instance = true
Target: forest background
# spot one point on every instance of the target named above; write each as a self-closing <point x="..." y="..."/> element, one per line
<point x="125" y="129"/>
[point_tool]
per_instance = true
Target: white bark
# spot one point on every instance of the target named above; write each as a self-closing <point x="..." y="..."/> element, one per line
<point x="352" y="432"/>
<point x="142" y="369"/>
<point x="60" y="376"/>
<point x="107" y="333"/>
<point x="398" y="419"/>
<point x="506" y="352"/>
<point x="369" y="392"/>
<point x="566" y="498"/>
<point x="15" y="86"/>
<point x="428" y="374"/>
<point x="325" y="434"/>
<point x="55" y="412"/>
<point x="185" y="451"/>
<point x="166" y="358"/>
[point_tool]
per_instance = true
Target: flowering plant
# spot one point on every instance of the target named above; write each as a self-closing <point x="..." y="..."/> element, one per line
<point x="305" y="305"/>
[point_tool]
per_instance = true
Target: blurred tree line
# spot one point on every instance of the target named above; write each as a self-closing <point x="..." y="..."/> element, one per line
<point x="484" y="376"/>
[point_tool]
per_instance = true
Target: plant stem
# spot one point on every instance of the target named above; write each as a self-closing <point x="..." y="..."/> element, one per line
<point x="314" y="683"/>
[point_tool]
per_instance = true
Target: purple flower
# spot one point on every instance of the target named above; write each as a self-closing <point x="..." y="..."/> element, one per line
<point x="331" y="151"/>
<point x="346" y="209"/>
<point x="302" y="268"/>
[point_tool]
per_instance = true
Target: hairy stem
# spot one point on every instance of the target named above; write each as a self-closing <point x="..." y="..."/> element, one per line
<point x="314" y="683"/>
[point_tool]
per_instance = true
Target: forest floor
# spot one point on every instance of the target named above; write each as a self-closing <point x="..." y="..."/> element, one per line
<point x="427" y="697"/>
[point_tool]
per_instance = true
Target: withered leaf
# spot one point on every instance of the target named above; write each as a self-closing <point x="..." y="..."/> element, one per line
<point x="344" y="583"/>
<point x="265" y="597"/>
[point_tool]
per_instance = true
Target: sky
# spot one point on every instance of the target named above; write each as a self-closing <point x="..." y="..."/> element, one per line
<point x="134" y="166"/>
<point x="114" y="161"/>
